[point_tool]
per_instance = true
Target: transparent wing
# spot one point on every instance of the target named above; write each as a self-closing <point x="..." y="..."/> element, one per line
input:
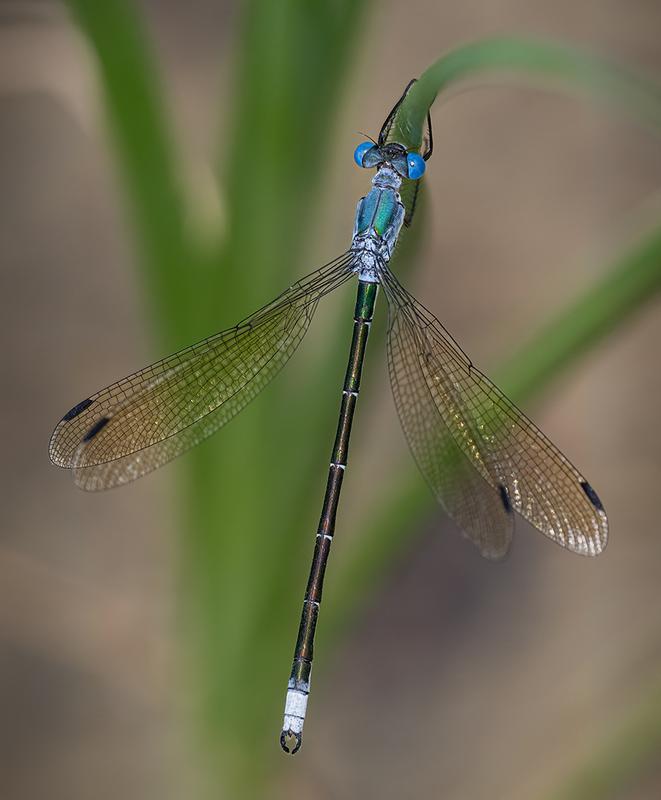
<point x="154" y="415"/>
<point x="472" y="503"/>
<point x="505" y="449"/>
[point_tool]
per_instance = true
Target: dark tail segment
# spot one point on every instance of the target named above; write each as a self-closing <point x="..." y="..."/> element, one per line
<point x="299" y="681"/>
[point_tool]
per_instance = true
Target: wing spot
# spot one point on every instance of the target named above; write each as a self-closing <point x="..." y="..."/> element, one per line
<point x="98" y="426"/>
<point x="76" y="410"/>
<point x="505" y="498"/>
<point x="592" y="496"/>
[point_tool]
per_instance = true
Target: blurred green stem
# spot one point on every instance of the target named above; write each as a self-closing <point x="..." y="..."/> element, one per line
<point x="136" y="115"/>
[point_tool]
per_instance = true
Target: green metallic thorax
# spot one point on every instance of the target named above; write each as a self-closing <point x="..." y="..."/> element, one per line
<point x="378" y="211"/>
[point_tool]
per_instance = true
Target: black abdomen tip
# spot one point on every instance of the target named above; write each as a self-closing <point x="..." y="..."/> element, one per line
<point x="290" y="741"/>
<point x="505" y="498"/>
<point x="592" y="496"/>
<point x="73" y="412"/>
<point x="92" y="432"/>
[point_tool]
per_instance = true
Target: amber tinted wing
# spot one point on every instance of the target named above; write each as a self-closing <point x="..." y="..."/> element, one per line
<point x="505" y="449"/>
<point x="154" y="415"/>
<point x="473" y="503"/>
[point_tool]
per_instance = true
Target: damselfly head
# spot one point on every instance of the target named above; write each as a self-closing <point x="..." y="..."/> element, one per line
<point x="391" y="154"/>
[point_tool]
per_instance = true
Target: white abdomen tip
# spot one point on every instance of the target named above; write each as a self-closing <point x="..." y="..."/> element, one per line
<point x="295" y="707"/>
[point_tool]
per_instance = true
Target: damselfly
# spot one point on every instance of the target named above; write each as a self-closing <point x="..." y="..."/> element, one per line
<point x="482" y="457"/>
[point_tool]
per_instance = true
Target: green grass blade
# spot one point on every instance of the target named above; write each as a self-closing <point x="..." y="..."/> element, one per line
<point x="570" y="67"/>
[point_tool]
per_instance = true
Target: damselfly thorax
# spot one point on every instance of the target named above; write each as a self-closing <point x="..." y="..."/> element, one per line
<point x="379" y="219"/>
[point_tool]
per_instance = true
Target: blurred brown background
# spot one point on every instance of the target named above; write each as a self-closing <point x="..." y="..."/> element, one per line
<point x="520" y="669"/>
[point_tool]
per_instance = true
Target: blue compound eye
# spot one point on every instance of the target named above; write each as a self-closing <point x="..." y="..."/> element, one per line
<point x="360" y="151"/>
<point x="416" y="166"/>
